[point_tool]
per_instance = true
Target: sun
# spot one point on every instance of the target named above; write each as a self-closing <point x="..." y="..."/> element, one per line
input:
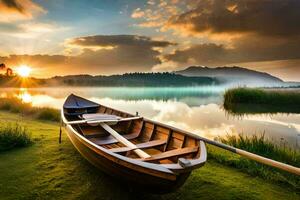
<point x="24" y="71"/>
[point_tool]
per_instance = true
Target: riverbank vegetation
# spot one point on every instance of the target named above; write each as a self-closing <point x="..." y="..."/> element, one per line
<point x="261" y="146"/>
<point x="14" y="136"/>
<point x="15" y="105"/>
<point x="254" y="100"/>
<point x="49" y="170"/>
<point x="261" y="96"/>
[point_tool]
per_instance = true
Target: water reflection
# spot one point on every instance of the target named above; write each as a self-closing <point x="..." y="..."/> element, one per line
<point x="194" y="109"/>
<point x="24" y="95"/>
<point x="244" y="109"/>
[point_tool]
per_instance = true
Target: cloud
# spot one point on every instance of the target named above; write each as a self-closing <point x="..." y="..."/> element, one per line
<point x="137" y="13"/>
<point x="9" y="28"/>
<point x="251" y="49"/>
<point x="13" y="4"/>
<point x="130" y="53"/>
<point x="17" y="10"/>
<point x="28" y="30"/>
<point x="222" y="32"/>
<point x="264" y="17"/>
<point x="118" y="53"/>
<point x="274" y="18"/>
<point x="117" y="41"/>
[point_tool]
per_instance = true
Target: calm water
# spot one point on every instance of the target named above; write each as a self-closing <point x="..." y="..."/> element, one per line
<point x="196" y="109"/>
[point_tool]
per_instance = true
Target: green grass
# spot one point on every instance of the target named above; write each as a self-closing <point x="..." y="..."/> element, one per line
<point x="48" y="114"/>
<point x="48" y="170"/>
<point x="253" y="100"/>
<point x="259" y="145"/>
<point x="15" y="105"/>
<point x="14" y="136"/>
<point x="261" y="96"/>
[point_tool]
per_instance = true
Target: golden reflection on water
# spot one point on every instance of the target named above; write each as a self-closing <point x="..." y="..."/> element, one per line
<point x="206" y="119"/>
<point x="24" y="96"/>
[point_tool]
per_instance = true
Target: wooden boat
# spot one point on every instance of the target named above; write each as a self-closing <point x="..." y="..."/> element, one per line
<point x="154" y="156"/>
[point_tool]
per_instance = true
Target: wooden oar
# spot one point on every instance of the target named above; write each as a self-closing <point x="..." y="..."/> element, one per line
<point x="94" y="121"/>
<point x="124" y="141"/>
<point x="255" y="157"/>
<point x="243" y="153"/>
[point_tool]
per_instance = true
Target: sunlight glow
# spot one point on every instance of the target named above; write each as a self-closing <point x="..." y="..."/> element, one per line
<point x="24" y="95"/>
<point x="24" y="71"/>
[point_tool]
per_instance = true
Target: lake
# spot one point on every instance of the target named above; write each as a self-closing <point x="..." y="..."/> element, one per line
<point x="195" y="109"/>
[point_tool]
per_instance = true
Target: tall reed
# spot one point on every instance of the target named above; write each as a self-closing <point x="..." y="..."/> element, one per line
<point x="261" y="146"/>
<point x="15" y="105"/>
<point x="261" y="96"/>
<point x="14" y="136"/>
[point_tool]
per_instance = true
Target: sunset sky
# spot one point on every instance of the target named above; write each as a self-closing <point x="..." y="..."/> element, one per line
<point x="59" y="37"/>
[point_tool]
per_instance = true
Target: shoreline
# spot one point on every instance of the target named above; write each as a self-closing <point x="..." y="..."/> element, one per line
<point x="59" y="169"/>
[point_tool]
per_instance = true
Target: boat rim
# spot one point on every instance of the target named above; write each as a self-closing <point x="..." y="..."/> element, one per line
<point x="165" y="168"/>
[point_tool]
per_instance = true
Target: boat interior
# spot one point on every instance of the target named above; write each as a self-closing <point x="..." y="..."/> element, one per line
<point x="161" y="143"/>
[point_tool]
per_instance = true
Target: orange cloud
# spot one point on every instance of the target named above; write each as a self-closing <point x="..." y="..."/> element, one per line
<point x="17" y="10"/>
<point x="263" y="17"/>
<point x="130" y="53"/>
<point x="137" y="13"/>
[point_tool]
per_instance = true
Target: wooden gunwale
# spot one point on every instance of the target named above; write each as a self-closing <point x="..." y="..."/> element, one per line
<point x="171" y="169"/>
<point x="165" y="168"/>
<point x="201" y="141"/>
<point x="143" y="167"/>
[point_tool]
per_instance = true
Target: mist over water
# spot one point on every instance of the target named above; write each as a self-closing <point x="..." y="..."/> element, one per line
<point x="196" y="109"/>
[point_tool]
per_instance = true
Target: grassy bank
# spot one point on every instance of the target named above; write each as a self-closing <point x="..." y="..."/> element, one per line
<point x="259" y="145"/>
<point x="14" y="136"/>
<point x="15" y="105"/>
<point x="252" y="100"/>
<point x="48" y="170"/>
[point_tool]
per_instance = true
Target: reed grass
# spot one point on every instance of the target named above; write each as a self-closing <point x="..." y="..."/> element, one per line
<point x="261" y="96"/>
<point x="240" y="101"/>
<point x="261" y="146"/>
<point x="48" y="114"/>
<point x="14" y="136"/>
<point x="15" y="105"/>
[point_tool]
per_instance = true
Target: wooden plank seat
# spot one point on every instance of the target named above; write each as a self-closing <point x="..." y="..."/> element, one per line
<point x="124" y="141"/>
<point x="98" y="116"/>
<point x="105" y="140"/>
<point x="173" y="153"/>
<point x="145" y="145"/>
<point x="93" y="135"/>
<point x="158" y="169"/>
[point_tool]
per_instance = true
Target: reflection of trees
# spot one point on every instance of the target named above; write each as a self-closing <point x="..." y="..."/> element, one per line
<point x="244" y="109"/>
<point x="159" y="94"/>
<point x="192" y="96"/>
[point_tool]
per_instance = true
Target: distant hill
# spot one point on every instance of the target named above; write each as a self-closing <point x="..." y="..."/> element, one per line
<point x="129" y="79"/>
<point x="233" y="75"/>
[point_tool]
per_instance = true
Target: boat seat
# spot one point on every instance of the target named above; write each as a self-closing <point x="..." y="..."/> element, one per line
<point x="111" y="140"/>
<point x="172" y="153"/>
<point x="98" y="116"/>
<point x="144" y="145"/>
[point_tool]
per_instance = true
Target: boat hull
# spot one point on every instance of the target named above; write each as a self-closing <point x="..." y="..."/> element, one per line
<point x="111" y="166"/>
